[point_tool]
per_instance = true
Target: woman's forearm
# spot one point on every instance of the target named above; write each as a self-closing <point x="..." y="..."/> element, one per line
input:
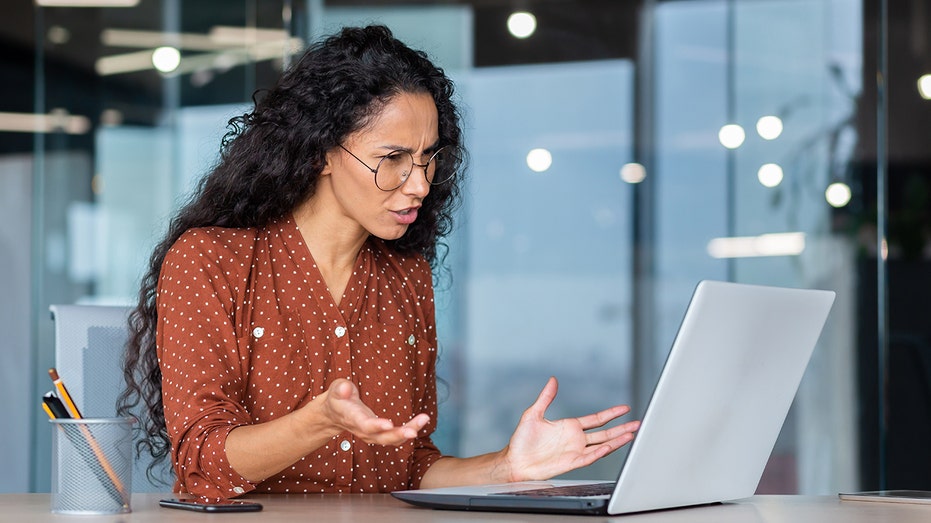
<point x="450" y="471"/>
<point x="262" y="450"/>
<point x="259" y="451"/>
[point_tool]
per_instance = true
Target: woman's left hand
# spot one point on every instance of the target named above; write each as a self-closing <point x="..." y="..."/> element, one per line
<point x="540" y="449"/>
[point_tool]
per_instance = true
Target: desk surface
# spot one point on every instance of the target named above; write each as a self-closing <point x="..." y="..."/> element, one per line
<point x="382" y="507"/>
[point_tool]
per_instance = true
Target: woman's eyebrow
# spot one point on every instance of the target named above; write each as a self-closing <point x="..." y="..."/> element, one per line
<point x="390" y="147"/>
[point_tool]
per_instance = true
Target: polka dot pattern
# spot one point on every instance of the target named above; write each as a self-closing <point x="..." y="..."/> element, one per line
<point x="248" y="332"/>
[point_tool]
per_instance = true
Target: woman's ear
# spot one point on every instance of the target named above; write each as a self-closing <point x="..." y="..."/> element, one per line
<point x="328" y="163"/>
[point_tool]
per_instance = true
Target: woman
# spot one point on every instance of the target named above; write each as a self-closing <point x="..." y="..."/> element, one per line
<point x="285" y="339"/>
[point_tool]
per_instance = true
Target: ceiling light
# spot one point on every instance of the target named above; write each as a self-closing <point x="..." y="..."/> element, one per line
<point x="838" y="194"/>
<point x="731" y="136"/>
<point x="134" y="39"/>
<point x="775" y="244"/>
<point x="770" y="174"/>
<point x="229" y="46"/>
<point x="57" y="121"/>
<point x="539" y="160"/>
<point x="633" y="172"/>
<point x="219" y="38"/>
<point x="924" y="86"/>
<point x="166" y="59"/>
<point x="124" y="63"/>
<point x="522" y="24"/>
<point x="769" y="127"/>
<point x="87" y="3"/>
<point x="58" y="35"/>
<point x="234" y="35"/>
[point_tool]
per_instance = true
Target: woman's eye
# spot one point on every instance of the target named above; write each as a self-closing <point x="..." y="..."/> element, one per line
<point x="396" y="157"/>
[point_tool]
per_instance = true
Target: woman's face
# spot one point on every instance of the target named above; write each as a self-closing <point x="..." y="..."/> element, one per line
<point x="409" y="122"/>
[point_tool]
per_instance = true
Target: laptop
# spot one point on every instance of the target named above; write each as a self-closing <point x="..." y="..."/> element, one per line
<point x="712" y="421"/>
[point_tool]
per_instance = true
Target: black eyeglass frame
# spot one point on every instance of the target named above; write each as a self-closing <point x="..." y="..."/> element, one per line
<point x="413" y="164"/>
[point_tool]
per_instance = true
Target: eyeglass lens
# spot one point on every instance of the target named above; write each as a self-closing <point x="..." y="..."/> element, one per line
<point x="395" y="168"/>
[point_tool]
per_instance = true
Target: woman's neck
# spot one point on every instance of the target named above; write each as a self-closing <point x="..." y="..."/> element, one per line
<point x="333" y="243"/>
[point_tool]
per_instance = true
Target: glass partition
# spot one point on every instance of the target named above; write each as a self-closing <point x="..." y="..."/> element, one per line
<point x="754" y="104"/>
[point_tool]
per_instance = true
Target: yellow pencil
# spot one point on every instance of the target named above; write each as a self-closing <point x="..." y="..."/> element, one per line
<point x="63" y="394"/>
<point x="48" y="411"/>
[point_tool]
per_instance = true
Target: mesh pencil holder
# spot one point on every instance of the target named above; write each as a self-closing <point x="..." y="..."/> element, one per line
<point x="92" y="463"/>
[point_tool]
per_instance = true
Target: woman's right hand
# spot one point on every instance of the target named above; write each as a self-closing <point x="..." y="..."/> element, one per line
<point x="343" y="406"/>
<point x="260" y="450"/>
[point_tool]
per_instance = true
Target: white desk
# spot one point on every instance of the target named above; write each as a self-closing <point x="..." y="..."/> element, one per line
<point x="25" y="508"/>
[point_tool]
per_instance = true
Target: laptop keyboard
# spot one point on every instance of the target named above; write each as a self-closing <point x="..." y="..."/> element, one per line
<point x="588" y="489"/>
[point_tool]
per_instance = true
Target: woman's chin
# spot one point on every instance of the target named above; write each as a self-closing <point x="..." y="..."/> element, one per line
<point x="389" y="233"/>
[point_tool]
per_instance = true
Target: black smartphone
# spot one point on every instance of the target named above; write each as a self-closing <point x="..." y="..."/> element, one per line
<point x="211" y="505"/>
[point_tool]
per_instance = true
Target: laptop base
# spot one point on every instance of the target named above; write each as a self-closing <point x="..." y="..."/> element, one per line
<point x="552" y="505"/>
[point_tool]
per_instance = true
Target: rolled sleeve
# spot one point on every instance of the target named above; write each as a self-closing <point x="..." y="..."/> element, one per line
<point x="202" y="371"/>
<point x="206" y="471"/>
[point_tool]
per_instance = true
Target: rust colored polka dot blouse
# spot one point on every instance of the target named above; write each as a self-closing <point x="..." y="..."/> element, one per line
<point x="248" y="332"/>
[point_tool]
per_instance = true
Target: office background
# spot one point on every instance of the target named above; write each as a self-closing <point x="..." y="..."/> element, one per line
<point x="620" y="152"/>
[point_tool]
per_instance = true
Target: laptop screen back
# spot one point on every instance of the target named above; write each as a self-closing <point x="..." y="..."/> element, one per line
<point x="723" y="396"/>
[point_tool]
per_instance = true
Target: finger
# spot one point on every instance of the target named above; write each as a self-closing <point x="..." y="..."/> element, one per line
<point x="412" y="427"/>
<point x="598" y="419"/>
<point x="394" y="437"/>
<point x="593" y="453"/>
<point x="601" y="436"/>
<point x="342" y="389"/>
<point x="373" y="426"/>
<point x="383" y="431"/>
<point x="397" y="435"/>
<point x="417" y="423"/>
<point x="543" y="401"/>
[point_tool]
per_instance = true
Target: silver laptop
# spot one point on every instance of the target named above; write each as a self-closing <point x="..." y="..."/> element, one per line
<point x="712" y="421"/>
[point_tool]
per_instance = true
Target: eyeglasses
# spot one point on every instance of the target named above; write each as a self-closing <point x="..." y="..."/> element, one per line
<point x="395" y="168"/>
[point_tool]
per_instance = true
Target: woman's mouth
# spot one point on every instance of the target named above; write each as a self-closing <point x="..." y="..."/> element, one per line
<point x="405" y="216"/>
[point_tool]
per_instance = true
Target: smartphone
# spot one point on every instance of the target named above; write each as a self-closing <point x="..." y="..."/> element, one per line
<point x="211" y="505"/>
<point x="922" y="497"/>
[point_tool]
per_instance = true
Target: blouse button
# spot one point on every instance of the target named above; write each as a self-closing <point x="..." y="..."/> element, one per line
<point x="345" y="445"/>
<point x="411" y="340"/>
<point x="258" y="332"/>
<point x="238" y="490"/>
<point x="340" y="331"/>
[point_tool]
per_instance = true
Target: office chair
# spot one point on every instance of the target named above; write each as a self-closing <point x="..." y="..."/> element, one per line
<point x="89" y="343"/>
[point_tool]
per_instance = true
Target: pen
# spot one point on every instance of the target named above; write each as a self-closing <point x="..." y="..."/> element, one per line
<point x="54" y="407"/>
<point x="63" y="394"/>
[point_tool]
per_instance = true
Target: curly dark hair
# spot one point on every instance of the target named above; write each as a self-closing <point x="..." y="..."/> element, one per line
<point x="270" y="162"/>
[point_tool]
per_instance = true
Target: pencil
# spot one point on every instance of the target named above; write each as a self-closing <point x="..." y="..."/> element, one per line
<point x="47" y="410"/>
<point x="63" y="394"/>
